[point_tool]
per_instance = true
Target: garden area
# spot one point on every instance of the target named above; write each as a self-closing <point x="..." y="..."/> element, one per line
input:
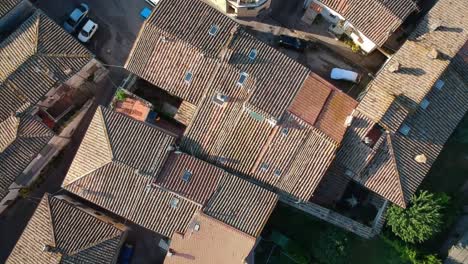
<point x="414" y="235"/>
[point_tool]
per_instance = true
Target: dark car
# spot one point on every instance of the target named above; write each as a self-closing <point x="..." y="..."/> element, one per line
<point x="75" y="18"/>
<point x="291" y="43"/>
<point x="126" y="254"/>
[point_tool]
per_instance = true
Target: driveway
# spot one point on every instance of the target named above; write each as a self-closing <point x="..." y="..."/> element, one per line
<point x="119" y="23"/>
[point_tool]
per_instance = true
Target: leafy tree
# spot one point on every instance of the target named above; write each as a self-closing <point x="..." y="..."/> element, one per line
<point x="332" y="246"/>
<point x="421" y="220"/>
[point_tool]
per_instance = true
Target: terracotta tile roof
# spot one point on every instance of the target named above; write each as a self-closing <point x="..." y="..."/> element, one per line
<point x="133" y="108"/>
<point x="180" y="44"/>
<point x="322" y="105"/>
<point x="115" y="169"/>
<point x="237" y="138"/>
<point x="376" y="19"/>
<point x="429" y="105"/>
<point x="21" y="141"/>
<point x="214" y="242"/>
<point x="311" y="98"/>
<point x="241" y="204"/>
<point x="201" y="180"/>
<point x="39" y="54"/>
<point x="7" y="5"/>
<point x="72" y="234"/>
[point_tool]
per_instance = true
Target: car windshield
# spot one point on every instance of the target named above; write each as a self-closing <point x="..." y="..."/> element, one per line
<point x="84" y="33"/>
<point x="82" y="9"/>
<point x="70" y="22"/>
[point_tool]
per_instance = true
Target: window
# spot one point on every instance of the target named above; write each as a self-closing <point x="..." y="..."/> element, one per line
<point x="220" y="99"/>
<point x="242" y="78"/>
<point x="213" y="30"/>
<point x="285" y="131"/>
<point x="404" y="129"/>
<point x="252" y="54"/>
<point x="188" y="77"/>
<point x="439" y="84"/>
<point x="174" y="202"/>
<point x="264" y="167"/>
<point x="424" y="104"/>
<point x="186" y="176"/>
<point x="277" y="172"/>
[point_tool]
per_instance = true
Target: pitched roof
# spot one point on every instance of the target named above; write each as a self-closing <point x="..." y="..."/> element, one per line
<point x="72" y="234"/>
<point x="115" y="168"/>
<point x="213" y="242"/>
<point x="241" y="204"/>
<point x="36" y="57"/>
<point x="376" y="19"/>
<point x="397" y="163"/>
<point x="170" y="45"/>
<point x="21" y="141"/>
<point x="201" y="178"/>
<point x="7" y="5"/>
<point x="322" y="105"/>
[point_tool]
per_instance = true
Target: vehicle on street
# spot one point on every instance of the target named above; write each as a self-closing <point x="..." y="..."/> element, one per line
<point x="152" y="2"/>
<point x="342" y="74"/>
<point x="75" y="18"/>
<point x="87" y="31"/>
<point x="291" y="43"/>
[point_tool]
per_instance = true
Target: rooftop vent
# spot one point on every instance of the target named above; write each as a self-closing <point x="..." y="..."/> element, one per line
<point x="368" y="140"/>
<point x="285" y="131"/>
<point x="264" y="167"/>
<point x="220" y="99"/>
<point x="48" y="248"/>
<point x="163" y="39"/>
<point x="394" y="67"/>
<point x="420" y="158"/>
<point x="348" y="121"/>
<point x="196" y="227"/>
<point x="277" y="172"/>
<point x="433" y="54"/>
<point x="272" y="121"/>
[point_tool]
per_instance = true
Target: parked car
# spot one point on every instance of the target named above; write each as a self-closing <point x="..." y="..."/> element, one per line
<point x="152" y="2"/>
<point x="75" y="18"/>
<point x="87" y="31"/>
<point x="341" y="74"/>
<point x="126" y="254"/>
<point x="291" y="43"/>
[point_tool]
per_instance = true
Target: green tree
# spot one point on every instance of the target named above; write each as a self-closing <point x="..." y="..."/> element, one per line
<point x="332" y="247"/>
<point x="421" y="220"/>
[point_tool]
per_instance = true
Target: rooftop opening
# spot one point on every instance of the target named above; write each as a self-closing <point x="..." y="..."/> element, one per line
<point x="285" y="131"/>
<point x="277" y="172"/>
<point x="256" y="116"/>
<point x="264" y="167"/>
<point x="242" y="78"/>
<point x="439" y="84"/>
<point x="424" y="104"/>
<point x="405" y="129"/>
<point x="373" y="135"/>
<point x="186" y="176"/>
<point x="188" y="77"/>
<point x="174" y="202"/>
<point x="213" y="30"/>
<point x="252" y="54"/>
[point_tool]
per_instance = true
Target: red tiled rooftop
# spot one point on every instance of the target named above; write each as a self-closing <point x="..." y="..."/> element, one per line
<point x="310" y="99"/>
<point x="133" y="108"/>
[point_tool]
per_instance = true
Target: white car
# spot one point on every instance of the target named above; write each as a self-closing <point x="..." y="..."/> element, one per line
<point x="341" y="74"/>
<point x="87" y="31"/>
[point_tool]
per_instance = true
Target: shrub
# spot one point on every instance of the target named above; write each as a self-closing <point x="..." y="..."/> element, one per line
<point x="421" y="220"/>
<point x="332" y="246"/>
<point x="120" y="95"/>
